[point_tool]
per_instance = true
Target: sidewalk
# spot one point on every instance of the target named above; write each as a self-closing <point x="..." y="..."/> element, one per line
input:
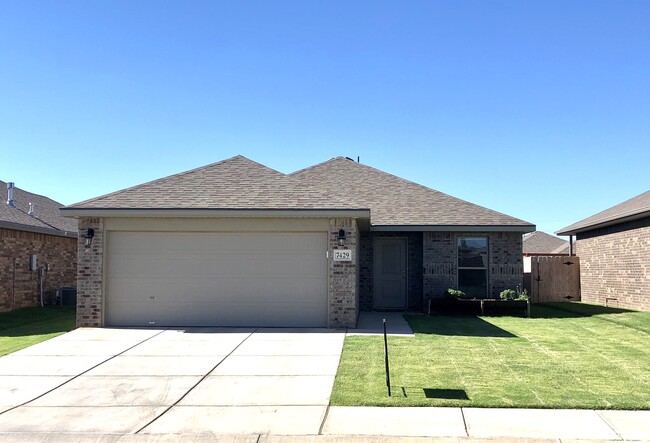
<point x="553" y="424"/>
<point x="413" y="425"/>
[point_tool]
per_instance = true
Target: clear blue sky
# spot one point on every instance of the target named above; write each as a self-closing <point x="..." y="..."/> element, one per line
<point x="538" y="109"/>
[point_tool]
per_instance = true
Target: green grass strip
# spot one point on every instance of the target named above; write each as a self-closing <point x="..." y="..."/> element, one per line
<point x="578" y="357"/>
<point x="25" y="327"/>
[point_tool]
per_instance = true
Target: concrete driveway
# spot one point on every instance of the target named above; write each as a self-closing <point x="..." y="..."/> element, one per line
<point x="194" y="380"/>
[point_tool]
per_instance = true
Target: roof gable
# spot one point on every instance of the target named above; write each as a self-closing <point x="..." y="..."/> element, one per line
<point x="636" y="207"/>
<point x="239" y="183"/>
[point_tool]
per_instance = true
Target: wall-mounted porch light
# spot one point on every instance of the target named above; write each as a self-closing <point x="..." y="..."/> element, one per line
<point x="90" y="233"/>
<point x="341" y="237"/>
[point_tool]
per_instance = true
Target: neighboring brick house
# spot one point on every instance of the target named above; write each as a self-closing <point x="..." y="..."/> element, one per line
<point x="236" y="243"/>
<point x="31" y="224"/>
<point x="614" y="251"/>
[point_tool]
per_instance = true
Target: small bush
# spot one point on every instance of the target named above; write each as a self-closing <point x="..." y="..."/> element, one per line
<point x="511" y="294"/>
<point x="455" y="293"/>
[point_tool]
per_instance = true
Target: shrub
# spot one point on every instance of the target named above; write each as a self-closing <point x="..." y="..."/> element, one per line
<point x="456" y="293"/>
<point x="511" y="294"/>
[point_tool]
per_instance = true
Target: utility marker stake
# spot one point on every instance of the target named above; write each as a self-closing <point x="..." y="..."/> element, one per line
<point x="386" y="358"/>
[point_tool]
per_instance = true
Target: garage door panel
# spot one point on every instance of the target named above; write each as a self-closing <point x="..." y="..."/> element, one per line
<point x="233" y="242"/>
<point x="250" y="265"/>
<point x="202" y="279"/>
<point x="231" y="290"/>
<point x="238" y="315"/>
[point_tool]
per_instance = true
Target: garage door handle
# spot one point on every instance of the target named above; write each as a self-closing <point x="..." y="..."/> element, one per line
<point x="152" y="298"/>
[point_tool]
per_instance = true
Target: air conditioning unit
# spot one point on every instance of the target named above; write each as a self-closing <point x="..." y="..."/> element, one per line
<point x="66" y="296"/>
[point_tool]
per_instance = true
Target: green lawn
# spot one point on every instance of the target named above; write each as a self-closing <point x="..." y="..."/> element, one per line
<point x="568" y="355"/>
<point x="25" y="327"/>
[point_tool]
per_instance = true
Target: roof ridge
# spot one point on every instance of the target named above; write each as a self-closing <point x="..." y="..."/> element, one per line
<point x="179" y="174"/>
<point x="315" y="166"/>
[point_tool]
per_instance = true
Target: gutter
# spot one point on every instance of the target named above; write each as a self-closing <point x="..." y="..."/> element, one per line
<point x="319" y="213"/>
<point x="603" y="224"/>
<point x="182" y="212"/>
<point x="38" y="230"/>
<point x="454" y="228"/>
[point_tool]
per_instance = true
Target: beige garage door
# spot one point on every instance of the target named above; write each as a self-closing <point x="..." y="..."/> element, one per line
<point x="224" y="279"/>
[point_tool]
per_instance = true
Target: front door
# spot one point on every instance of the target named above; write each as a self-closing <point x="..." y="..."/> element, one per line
<point x="389" y="264"/>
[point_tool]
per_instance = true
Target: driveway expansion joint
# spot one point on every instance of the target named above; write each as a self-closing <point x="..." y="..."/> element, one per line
<point x="82" y="373"/>
<point x="196" y="384"/>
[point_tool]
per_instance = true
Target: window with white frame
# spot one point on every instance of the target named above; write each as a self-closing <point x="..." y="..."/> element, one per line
<point x="473" y="266"/>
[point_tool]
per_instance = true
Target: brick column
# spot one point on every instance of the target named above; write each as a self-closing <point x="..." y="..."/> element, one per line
<point x="90" y="274"/>
<point x="343" y="276"/>
<point x="506" y="262"/>
<point x="439" y="265"/>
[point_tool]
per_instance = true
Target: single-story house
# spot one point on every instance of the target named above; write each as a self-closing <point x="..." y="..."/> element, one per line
<point x="236" y="243"/>
<point x="34" y="239"/>
<point x="614" y="251"/>
<point x="541" y="243"/>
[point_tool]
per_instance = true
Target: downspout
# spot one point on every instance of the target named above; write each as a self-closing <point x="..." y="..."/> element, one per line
<point x="570" y="245"/>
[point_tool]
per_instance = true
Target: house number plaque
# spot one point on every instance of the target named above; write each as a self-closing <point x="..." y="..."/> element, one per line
<point x="342" y="255"/>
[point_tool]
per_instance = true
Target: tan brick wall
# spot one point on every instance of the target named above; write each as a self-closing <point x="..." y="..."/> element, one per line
<point x="90" y="275"/>
<point x="615" y="264"/>
<point x="343" y="276"/>
<point x="19" y="287"/>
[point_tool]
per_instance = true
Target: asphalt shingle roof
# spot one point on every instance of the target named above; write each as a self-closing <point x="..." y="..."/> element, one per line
<point x="46" y="211"/>
<point x="636" y="206"/>
<point x="542" y="243"/>
<point x="340" y="183"/>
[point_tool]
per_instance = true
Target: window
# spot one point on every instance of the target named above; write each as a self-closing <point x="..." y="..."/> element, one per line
<point x="473" y="265"/>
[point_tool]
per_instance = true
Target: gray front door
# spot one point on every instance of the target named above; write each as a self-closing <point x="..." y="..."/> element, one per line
<point x="389" y="264"/>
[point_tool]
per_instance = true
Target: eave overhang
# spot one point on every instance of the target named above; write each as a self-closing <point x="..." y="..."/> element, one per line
<point x="206" y="212"/>
<point x="453" y="228"/>
<point x="602" y="224"/>
<point x="37" y="229"/>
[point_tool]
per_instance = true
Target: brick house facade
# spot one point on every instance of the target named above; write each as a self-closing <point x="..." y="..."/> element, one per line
<point x="440" y="261"/>
<point x="432" y="259"/>
<point x="30" y="224"/>
<point x="151" y="237"/>
<point x="19" y="287"/>
<point x="614" y="251"/>
<point x="615" y="265"/>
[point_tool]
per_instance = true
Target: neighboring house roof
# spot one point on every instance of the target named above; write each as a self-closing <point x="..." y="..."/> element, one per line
<point x="542" y="243"/>
<point x="46" y="219"/>
<point x="632" y="209"/>
<point x="339" y="184"/>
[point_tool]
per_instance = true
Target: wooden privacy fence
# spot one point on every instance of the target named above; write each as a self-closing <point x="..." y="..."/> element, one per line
<point x="554" y="279"/>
